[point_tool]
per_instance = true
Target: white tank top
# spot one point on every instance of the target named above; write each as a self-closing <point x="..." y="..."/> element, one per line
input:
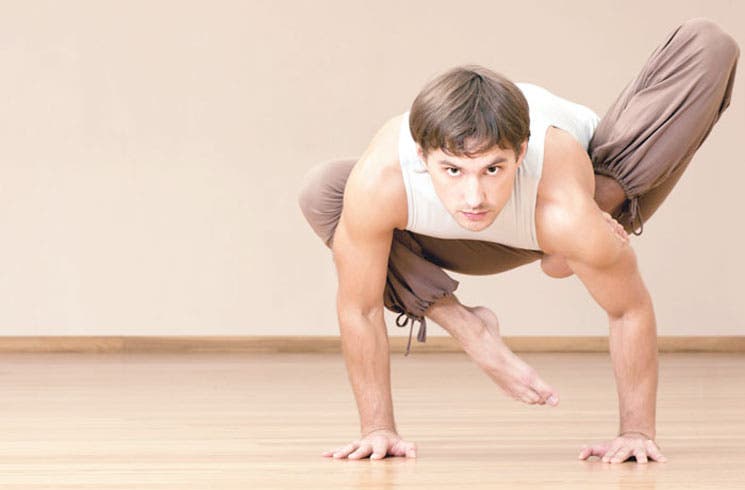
<point x="515" y="224"/>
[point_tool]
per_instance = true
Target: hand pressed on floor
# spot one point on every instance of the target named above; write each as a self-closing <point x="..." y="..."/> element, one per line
<point x="624" y="447"/>
<point x="376" y="445"/>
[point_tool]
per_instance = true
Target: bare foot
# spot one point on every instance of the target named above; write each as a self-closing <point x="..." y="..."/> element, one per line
<point x="516" y="378"/>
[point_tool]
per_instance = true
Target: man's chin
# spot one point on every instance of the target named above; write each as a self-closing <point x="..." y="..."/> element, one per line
<point x="475" y="225"/>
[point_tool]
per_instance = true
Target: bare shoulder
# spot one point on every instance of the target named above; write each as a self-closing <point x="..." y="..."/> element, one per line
<point x="567" y="169"/>
<point x="376" y="182"/>
<point x="565" y="194"/>
<point x="569" y="222"/>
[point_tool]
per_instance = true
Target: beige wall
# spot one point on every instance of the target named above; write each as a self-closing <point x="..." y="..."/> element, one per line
<point x="151" y="153"/>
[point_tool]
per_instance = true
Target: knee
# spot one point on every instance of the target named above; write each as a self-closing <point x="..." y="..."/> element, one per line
<point x="716" y="48"/>
<point x="311" y="188"/>
<point x="314" y="186"/>
<point x="321" y="195"/>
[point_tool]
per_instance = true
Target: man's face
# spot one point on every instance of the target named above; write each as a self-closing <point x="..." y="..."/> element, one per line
<point x="474" y="190"/>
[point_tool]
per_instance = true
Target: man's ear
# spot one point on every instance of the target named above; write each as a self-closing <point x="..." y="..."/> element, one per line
<point x="420" y="152"/>
<point x="523" y="150"/>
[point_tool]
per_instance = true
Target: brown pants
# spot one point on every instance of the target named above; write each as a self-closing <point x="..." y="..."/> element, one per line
<point x="645" y="142"/>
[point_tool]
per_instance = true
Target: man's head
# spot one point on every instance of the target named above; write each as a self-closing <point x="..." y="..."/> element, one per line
<point x="471" y="127"/>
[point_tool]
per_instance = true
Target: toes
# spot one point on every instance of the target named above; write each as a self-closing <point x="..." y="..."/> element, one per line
<point x="529" y="396"/>
<point x="546" y="393"/>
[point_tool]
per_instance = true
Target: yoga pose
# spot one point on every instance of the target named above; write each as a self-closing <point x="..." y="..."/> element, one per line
<point x="483" y="175"/>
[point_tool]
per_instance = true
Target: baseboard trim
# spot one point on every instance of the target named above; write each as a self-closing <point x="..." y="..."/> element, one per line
<point x="326" y="344"/>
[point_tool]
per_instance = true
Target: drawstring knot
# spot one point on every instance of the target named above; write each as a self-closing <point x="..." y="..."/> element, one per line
<point x="421" y="335"/>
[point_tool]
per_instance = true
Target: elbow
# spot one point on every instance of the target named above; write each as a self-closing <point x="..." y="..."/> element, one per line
<point x="556" y="266"/>
<point x="634" y="312"/>
<point x="355" y="314"/>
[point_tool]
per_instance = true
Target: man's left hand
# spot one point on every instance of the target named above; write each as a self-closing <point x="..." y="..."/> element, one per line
<point x="623" y="447"/>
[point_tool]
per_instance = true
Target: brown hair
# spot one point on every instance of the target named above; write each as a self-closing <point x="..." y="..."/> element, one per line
<point x="469" y="102"/>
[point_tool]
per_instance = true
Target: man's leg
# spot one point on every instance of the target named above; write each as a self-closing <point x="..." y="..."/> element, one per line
<point x="609" y="194"/>
<point x="477" y="330"/>
<point x="649" y="135"/>
<point x="646" y="140"/>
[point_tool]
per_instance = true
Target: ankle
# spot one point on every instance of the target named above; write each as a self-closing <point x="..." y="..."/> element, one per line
<point x="459" y="321"/>
<point x="463" y="325"/>
<point x="609" y="195"/>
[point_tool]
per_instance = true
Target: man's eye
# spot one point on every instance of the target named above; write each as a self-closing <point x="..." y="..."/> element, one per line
<point x="495" y="170"/>
<point x="453" y="169"/>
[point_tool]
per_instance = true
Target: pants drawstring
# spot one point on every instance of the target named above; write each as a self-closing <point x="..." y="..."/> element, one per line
<point x="634" y="213"/>
<point x="421" y="335"/>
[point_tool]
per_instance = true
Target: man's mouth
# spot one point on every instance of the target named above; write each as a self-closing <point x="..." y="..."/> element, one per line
<point x="475" y="216"/>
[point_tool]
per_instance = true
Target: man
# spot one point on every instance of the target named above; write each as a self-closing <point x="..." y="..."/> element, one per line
<point x="482" y="176"/>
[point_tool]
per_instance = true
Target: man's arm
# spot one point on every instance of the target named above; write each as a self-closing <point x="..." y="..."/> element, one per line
<point x="611" y="275"/>
<point x="361" y="247"/>
<point x="607" y="266"/>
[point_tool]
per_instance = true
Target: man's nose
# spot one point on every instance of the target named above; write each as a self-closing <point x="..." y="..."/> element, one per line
<point x="474" y="194"/>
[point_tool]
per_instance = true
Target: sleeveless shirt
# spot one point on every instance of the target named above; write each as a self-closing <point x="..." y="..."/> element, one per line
<point x="515" y="223"/>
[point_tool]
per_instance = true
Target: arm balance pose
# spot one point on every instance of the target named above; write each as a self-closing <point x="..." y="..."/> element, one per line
<point x="483" y="175"/>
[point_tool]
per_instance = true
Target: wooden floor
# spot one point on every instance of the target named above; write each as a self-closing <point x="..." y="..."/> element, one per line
<point x="250" y="421"/>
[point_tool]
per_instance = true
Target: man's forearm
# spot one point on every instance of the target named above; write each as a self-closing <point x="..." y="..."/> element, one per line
<point x="367" y="356"/>
<point x="633" y="348"/>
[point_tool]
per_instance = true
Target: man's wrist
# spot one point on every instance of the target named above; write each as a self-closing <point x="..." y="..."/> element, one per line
<point x="645" y="433"/>
<point x="369" y="430"/>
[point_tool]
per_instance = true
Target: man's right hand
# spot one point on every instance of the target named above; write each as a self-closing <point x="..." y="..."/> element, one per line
<point x="376" y="444"/>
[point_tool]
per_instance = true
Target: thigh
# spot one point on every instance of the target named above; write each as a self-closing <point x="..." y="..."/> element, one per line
<point x="653" y="129"/>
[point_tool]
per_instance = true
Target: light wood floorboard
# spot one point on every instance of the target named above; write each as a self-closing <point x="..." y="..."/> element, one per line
<point x="250" y="421"/>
